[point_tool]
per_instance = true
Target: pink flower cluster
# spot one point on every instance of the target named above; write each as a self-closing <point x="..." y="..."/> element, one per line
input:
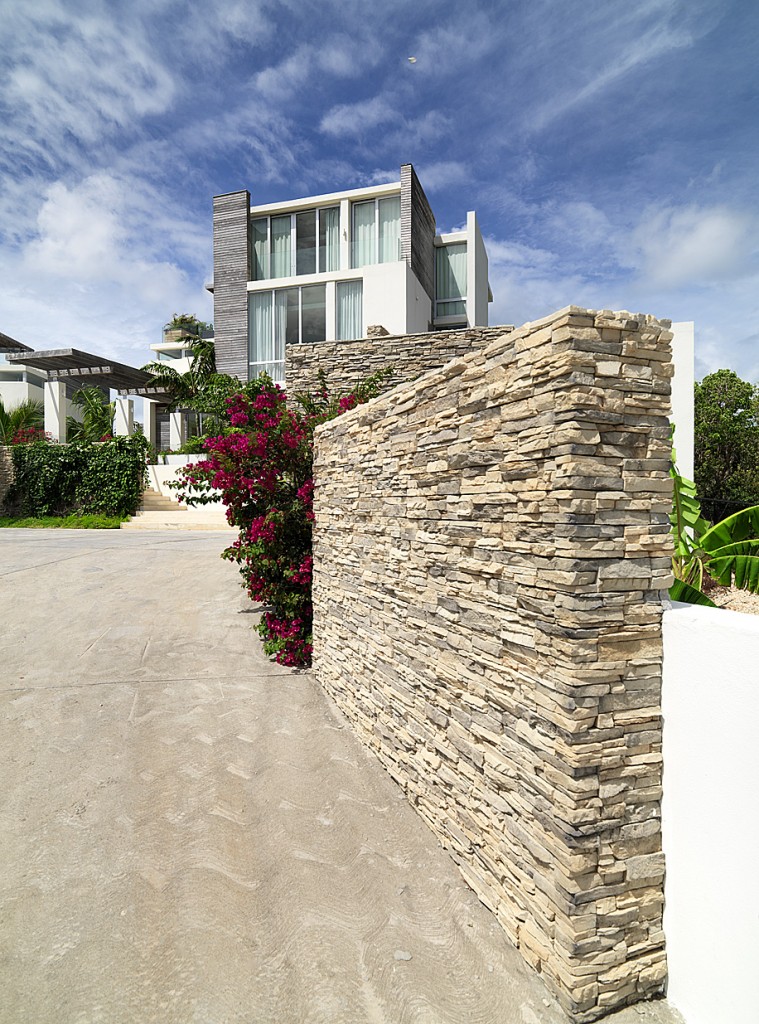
<point x="263" y="466"/>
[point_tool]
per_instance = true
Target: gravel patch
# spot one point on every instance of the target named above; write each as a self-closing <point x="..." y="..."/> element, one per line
<point x="735" y="600"/>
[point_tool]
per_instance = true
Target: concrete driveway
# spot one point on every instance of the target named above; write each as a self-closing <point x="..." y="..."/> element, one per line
<point x="191" y="834"/>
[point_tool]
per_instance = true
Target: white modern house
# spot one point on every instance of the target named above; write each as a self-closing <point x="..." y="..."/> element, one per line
<point x="18" y="382"/>
<point x="330" y="267"/>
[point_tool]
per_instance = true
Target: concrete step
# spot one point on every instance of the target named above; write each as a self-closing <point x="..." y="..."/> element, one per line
<point x="160" y="504"/>
<point x="181" y="520"/>
<point x="160" y="512"/>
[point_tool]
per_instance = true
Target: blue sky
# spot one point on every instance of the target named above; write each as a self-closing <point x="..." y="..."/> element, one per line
<point x="610" y="150"/>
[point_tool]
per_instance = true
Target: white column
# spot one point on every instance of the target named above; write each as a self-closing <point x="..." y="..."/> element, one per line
<point x="683" y="359"/>
<point x="56" y="409"/>
<point x="123" y="420"/>
<point x="150" y="425"/>
<point x="177" y="430"/>
<point x="345" y="234"/>
<point x="330" y="311"/>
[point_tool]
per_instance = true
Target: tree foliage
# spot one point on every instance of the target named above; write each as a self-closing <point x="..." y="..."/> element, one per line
<point x="96" y="423"/>
<point x="726" y="444"/>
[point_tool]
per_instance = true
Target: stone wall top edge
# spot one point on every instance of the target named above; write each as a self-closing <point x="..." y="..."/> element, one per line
<point x="599" y="316"/>
<point x="307" y="351"/>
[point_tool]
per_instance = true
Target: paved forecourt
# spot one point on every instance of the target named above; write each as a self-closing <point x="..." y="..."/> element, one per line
<point x="189" y="833"/>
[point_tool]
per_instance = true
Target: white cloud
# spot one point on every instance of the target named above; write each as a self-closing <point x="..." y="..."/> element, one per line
<point x="358" y="118"/>
<point x="693" y="245"/>
<point x="443" y="174"/>
<point x="76" y="79"/>
<point x="108" y="263"/>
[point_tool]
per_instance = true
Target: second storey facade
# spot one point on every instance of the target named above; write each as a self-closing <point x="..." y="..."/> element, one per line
<point x="329" y="267"/>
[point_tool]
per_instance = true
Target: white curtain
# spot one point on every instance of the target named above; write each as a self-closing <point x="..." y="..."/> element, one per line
<point x="364" y="241"/>
<point x="329" y="239"/>
<point x="280" y="247"/>
<point x="450" y="279"/>
<point x="260" y="347"/>
<point x="280" y="324"/>
<point x="349" y="310"/>
<point x="390" y="229"/>
<point x="260" y="247"/>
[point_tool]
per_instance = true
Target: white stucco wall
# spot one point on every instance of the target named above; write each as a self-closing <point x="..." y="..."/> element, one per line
<point x="14" y="392"/>
<point x="683" y="359"/>
<point x="477" y="274"/>
<point x="418" y="305"/>
<point x="385" y="296"/>
<point x="710" y="813"/>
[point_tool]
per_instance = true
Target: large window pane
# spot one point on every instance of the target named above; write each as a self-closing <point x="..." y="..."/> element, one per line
<point x="450" y="280"/>
<point x="329" y="239"/>
<point x="280" y="247"/>
<point x="364" y="239"/>
<point x="259" y="230"/>
<point x="390" y="229"/>
<point x="260" y="341"/>
<point x="293" y="316"/>
<point x="349" y="310"/>
<point x="313" y="313"/>
<point x="305" y="233"/>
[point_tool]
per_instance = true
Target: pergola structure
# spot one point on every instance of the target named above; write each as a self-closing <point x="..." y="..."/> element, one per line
<point x="70" y="365"/>
<point x="8" y="344"/>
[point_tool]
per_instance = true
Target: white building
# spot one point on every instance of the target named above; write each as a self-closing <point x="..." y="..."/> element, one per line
<point x="329" y="267"/>
<point x="18" y="382"/>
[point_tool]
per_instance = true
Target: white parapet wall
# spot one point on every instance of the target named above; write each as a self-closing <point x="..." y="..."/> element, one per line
<point x="710" y="813"/>
<point x="159" y="476"/>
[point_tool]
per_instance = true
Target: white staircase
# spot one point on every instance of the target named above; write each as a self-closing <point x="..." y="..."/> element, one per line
<point x="159" y="512"/>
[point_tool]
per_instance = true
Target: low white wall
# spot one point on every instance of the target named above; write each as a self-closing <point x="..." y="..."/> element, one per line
<point x="710" y="822"/>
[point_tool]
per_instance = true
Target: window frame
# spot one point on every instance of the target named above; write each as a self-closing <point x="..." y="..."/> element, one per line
<point x="293" y="247"/>
<point x="376" y="245"/>
<point x="272" y="293"/>
<point x="451" y="318"/>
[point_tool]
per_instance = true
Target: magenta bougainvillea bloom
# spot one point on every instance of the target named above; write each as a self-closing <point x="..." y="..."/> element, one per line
<point x="263" y="467"/>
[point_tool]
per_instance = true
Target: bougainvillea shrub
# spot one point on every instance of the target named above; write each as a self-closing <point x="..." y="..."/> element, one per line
<point x="29" y="435"/>
<point x="263" y="467"/>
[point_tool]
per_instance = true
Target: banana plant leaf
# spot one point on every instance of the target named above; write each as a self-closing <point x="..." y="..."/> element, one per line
<point x="743" y="525"/>
<point x="680" y="591"/>
<point x="738" y="563"/>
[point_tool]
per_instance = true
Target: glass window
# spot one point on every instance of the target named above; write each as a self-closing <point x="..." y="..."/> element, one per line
<point x="390" y="229"/>
<point x="280" y="246"/>
<point x="349" y="310"/>
<point x="364" y="236"/>
<point x="283" y="317"/>
<point x="305" y="235"/>
<point x="450" y="280"/>
<point x="295" y="244"/>
<point x="266" y="352"/>
<point x="313" y="313"/>
<point x="329" y="239"/>
<point x="259" y="262"/>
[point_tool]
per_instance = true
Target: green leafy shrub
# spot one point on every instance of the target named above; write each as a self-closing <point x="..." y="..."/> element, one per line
<point x="59" y="480"/>
<point x="726" y="553"/>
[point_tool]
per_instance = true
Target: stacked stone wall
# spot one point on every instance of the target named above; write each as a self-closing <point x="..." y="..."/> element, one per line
<point x="6" y="472"/>
<point x="491" y="547"/>
<point x="410" y="355"/>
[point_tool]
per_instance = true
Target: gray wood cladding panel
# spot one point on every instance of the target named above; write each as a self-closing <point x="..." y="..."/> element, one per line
<point x="417" y="230"/>
<point x="230" y="277"/>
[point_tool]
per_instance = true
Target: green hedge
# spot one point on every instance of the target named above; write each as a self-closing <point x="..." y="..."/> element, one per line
<point x="51" y="479"/>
